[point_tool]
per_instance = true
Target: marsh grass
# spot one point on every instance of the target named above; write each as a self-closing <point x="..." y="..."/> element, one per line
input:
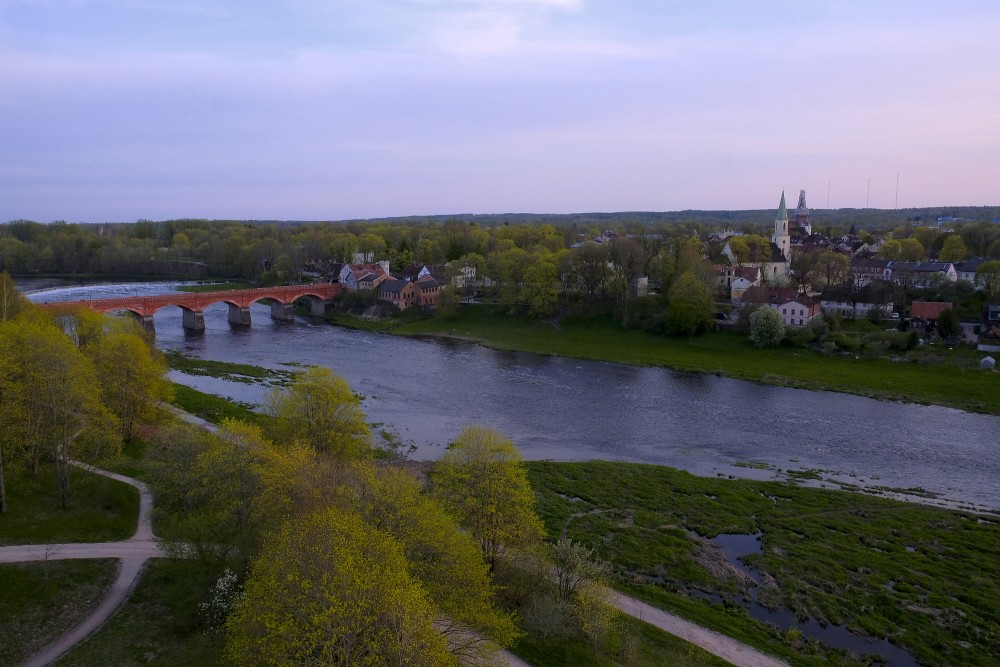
<point x="926" y="578"/>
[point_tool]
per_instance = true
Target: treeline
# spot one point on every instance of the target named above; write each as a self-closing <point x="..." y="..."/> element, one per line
<point x="72" y="386"/>
<point x="269" y="252"/>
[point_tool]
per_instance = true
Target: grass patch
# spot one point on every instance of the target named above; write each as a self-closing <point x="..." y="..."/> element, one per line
<point x="231" y="372"/>
<point x="101" y="509"/>
<point x="650" y="647"/>
<point x="213" y="408"/>
<point x="41" y="601"/>
<point x="725" y="353"/>
<point x="159" y="624"/>
<point x="925" y="577"/>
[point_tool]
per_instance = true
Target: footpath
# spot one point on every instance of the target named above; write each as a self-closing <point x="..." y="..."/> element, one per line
<point x="132" y="554"/>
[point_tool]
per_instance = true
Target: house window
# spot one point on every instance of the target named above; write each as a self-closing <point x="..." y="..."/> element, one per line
<point x="784" y="311"/>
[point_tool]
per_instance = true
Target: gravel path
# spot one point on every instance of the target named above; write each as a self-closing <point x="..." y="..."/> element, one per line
<point x="131" y="553"/>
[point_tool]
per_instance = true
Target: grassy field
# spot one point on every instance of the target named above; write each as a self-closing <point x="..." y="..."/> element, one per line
<point x="942" y="377"/>
<point x="926" y="578"/>
<point x="229" y="371"/>
<point x="159" y="624"/>
<point x="102" y="510"/>
<point x="41" y="601"/>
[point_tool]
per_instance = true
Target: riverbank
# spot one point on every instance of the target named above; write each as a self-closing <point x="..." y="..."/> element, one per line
<point x="938" y="376"/>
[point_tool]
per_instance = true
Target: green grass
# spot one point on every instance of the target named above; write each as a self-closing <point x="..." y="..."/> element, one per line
<point x="211" y="407"/>
<point x="41" y="601"/>
<point x="101" y="509"/>
<point x="922" y="380"/>
<point x="159" y="624"/>
<point x="926" y="577"/>
<point x="229" y="371"/>
<point x="651" y="648"/>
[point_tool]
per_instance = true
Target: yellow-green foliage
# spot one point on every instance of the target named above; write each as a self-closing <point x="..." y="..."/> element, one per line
<point x="445" y="559"/>
<point x="331" y="589"/>
<point x="320" y="410"/>
<point x="482" y="482"/>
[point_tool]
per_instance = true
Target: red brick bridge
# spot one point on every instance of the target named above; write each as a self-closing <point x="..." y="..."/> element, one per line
<point x="193" y="304"/>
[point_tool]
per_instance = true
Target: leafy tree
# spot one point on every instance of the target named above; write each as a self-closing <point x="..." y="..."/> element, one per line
<point x="834" y="266"/>
<point x="132" y="377"/>
<point x="482" y="482"/>
<point x="911" y="250"/>
<point x="444" y="558"/>
<point x="953" y="250"/>
<point x="948" y="324"/>
<point x="591" y="264"/>
<point x="11" y="301"/>
<point x="691" y="306"/>
<point x="540" y="289"/>
<point x="320" y="409"/>
<point x="767" y="327"/>
<point x="988" y="277"/>
<point x="330" y="589"/>
<point x="51" y="398"/>
<point x="891" y="249"/>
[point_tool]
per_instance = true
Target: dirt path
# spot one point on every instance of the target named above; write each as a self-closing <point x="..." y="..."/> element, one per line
<point x="725" y="647"/>
<point x="132" y="554"/>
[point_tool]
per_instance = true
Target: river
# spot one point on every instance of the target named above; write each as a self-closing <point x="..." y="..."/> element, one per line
<point x="571" y="410"/>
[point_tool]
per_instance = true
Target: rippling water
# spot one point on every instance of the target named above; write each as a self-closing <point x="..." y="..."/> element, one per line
<point x="567" y="409"/>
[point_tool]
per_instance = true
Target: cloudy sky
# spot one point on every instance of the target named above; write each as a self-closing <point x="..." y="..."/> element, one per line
<point x="335" y="109"/>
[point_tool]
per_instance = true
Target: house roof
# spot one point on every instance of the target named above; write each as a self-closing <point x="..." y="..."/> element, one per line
<point x="751" y="273"/>
<point x="770" y="294"/>
<point x="929" y="310"/>
<point x="920" y="267"/>
<point x="394" y="286"/>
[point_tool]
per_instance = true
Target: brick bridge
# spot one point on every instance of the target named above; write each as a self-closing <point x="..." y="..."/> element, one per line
<point x="193" y="304"/>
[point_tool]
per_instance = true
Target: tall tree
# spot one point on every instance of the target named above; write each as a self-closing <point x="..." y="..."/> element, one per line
<point x="132" y="377"/>
<point x="330" y="589"/>
<point x="691" y="306"/>
<point x="953" y="250"/>
<point x="320" y="410"/>
<point x="481" y="480"/>
<point x="54" y="391"/>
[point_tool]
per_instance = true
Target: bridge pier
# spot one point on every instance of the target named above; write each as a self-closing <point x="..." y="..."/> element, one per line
<point x="282" y="311"/>
<point x="193" y="320"/>
<point x="239" y="315"/>
<point x="145" y="320"/>
<point x="317" y="306"/>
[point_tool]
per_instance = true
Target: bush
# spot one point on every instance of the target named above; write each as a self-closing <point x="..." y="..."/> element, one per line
<point x="846" y="342"/>
<point x="767" y="327"/>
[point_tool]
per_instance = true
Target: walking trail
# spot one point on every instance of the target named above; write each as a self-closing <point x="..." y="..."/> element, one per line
<point x="133" y="554"/>
<point x="135" y="551"/>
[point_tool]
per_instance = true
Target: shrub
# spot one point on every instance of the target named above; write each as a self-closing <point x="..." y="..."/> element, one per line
<point x="767" y="327"/>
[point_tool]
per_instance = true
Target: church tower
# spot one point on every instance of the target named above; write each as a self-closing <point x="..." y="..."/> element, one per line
<point x="780" y="237"/>
<point x="802" y="216"/>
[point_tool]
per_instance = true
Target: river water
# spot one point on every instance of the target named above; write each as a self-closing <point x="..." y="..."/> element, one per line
<point x="571" y="410"/>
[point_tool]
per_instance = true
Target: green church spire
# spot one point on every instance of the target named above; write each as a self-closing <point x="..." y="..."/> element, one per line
<point x="782" y="209"/>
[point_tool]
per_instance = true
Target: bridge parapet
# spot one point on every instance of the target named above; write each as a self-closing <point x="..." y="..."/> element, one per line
<point x="194" y="303"/>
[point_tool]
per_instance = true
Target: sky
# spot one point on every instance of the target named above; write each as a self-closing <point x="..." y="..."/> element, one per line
<point x="120" y="110"/>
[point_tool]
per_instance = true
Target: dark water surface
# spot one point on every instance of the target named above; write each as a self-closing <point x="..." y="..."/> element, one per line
<point x="572" y="410"/>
